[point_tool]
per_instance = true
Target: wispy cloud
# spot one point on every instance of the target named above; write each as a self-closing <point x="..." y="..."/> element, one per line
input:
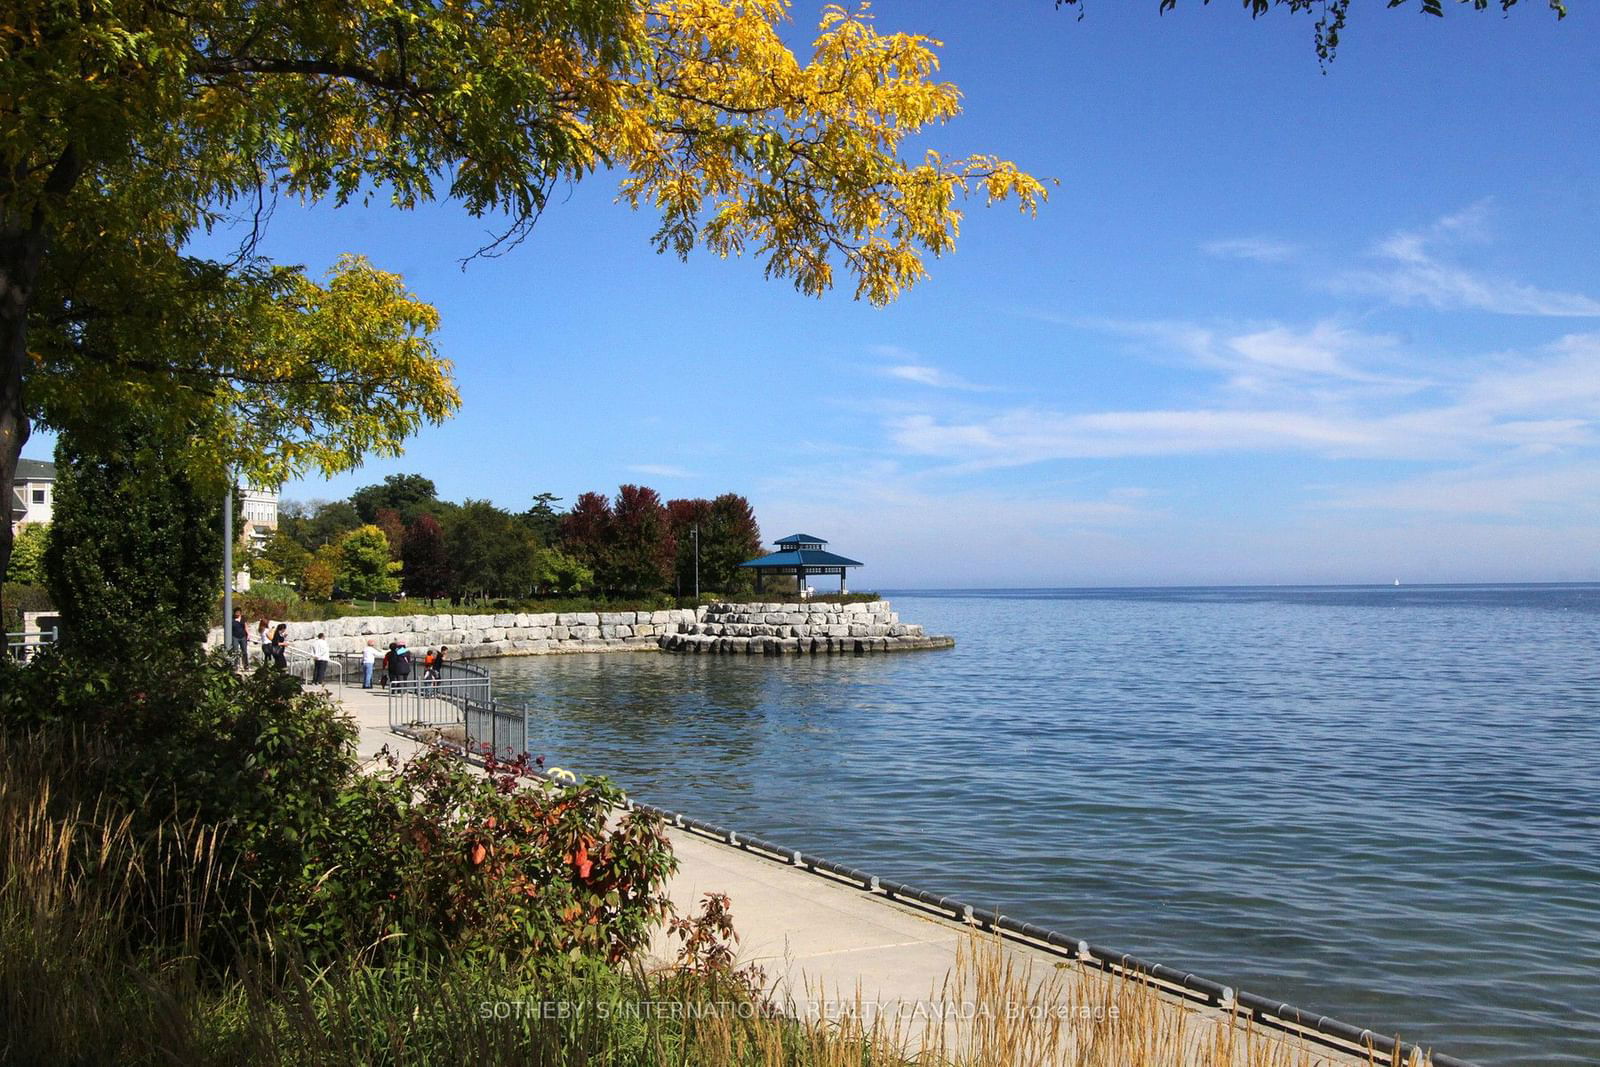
<point x="1262" y="358"/>
<point x="1515" y="407"/>
<point x="1259" y="249"/>
<point x="933" y="377"/>
<point x="1416" y="269"/>
<point x="907" y="366"/>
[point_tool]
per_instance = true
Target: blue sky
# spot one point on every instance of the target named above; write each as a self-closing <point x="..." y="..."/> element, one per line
<point x="1275" y="325"/>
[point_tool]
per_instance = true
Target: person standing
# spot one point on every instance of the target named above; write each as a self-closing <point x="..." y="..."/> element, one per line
<point x="400" y="666"/>
<point x="369" y="659"/>
<point x="280" y="645"/>
<point x="264" y="639"/>
<point x="241" y="639"/>
<point x="319" y="658"/>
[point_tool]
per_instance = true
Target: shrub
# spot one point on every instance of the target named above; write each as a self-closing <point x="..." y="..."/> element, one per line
<point x="496" y="865"/>
<point x="20" y="597"/>
<point x="186" y="741"/>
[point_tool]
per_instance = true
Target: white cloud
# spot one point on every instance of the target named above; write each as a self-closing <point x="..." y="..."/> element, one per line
<point x="1416" y="272"/>
<point x="933" y="377"/>
<point x="1525" y="411"/>
<point x="1259" y="249"/>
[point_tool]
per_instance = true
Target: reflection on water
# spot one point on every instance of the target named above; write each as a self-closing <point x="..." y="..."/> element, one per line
<point x="1377" y="803"/>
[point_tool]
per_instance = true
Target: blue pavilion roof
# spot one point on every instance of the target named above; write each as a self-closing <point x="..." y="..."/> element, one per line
<point x="800" y="539"/>
<point x="804" y="557"/>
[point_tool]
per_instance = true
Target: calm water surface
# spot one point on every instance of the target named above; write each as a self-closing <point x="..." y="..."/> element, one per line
<point x="1383" y="804"/>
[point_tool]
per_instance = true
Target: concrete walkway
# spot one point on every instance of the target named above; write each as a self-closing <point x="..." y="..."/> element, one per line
<point x="830" y="949"/>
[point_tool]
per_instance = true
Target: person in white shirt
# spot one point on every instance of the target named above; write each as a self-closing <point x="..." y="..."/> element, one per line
<point x="369" y="659"/>
<point x="319" y="658"/>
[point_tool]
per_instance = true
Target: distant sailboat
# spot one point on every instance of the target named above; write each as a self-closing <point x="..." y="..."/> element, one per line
<point x="1397" y="581"/>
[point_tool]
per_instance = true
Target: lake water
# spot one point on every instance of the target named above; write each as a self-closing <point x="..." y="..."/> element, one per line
<point x="1382" y="804"/>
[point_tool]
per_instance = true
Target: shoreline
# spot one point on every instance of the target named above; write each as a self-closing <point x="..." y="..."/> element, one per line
<point x="814" y="931"/>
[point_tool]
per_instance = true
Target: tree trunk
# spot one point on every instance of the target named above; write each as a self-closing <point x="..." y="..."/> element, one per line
<point x="19" y="265"/>
<point x="22" y="244"/>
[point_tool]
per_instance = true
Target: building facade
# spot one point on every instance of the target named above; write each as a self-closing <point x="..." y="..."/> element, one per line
<point x="33" y="492"/>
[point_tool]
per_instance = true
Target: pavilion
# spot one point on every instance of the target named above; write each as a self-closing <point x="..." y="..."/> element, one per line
<point x="800" y="555"/>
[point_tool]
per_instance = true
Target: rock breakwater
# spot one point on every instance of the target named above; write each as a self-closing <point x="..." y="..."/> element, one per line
<point x="800" y="628"/>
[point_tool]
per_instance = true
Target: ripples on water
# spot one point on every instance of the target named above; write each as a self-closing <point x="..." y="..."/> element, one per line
<point x="1380" y="804"/>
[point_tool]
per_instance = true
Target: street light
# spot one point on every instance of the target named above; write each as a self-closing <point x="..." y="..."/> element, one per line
<point x="227" y="567"/>
<point x="694" y="533"/>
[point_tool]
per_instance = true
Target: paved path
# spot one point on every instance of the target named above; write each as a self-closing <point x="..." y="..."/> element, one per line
<point x="828" y="947"/>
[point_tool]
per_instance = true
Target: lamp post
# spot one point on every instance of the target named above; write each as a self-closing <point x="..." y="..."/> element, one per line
<point x="694" y="533"/>
<point x="227" y="567"/>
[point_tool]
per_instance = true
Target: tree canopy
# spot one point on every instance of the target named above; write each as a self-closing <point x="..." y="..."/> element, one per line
<point x="132" y="127"/>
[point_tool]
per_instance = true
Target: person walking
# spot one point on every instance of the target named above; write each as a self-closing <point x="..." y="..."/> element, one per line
<point x="280" y="645"/>
<point x="241" y="639"/>
<point x="319" y="658"/>
<point x="369" y="659"/>
<point x="264" y="639"/>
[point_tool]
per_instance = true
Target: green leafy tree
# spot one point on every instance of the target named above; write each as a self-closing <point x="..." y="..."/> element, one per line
<point x="282" y="560"/>
<point x="730" y="537"/>
<point x="557" y="572"/>
<point x="426" y="560"/>
<point x="132" y="126"/>
<point x="642" y="546"/>
<point x="491" y="553"/>
<point x="135" y="552"/>
<point x="407" y="494"/>
<point x="27" y="555"/>
<point x="320" y="522"/>
<point x="365" y="570"/>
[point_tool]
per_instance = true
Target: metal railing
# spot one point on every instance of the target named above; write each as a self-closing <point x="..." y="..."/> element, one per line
<point x="422" y="703"/>
<point x="25" y="644"/>
<point x="343" y="668"/>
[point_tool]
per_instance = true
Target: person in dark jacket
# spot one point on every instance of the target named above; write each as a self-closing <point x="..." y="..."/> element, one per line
<point x="400" y="665"/>
<point x="280" y="645"/>
<point x="241" y="639"/>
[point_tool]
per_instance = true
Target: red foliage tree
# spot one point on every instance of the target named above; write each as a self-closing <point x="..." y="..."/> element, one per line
<point x="425" y="560"/>
<point x="684" y="516"/>
<point x="643" y="546"/>
<point x="586" y="534"/>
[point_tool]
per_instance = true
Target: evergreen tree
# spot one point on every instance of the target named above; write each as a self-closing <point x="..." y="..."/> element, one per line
<point x="135" y="552"/>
